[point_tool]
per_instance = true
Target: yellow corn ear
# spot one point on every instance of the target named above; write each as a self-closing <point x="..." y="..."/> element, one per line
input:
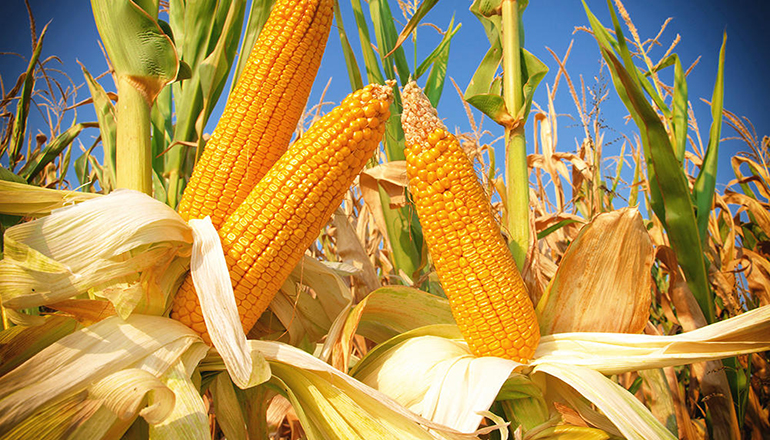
<point x="486" y="292"/>
<point x="262" y="111"/>
<point x="268" y="234"/>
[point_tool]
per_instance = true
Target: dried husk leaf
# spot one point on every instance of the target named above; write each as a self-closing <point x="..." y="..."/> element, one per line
<point x="19" y="343"/>
<point x="33" y="201"/>
<point x="391" y="177"/>
<point x="70" y="365"/>
<point x="603" y="282"/>
<point x="215" y="292"/>
<point x="124" y="391"/>
<point x="92" y="246"/>
<point x="351" y="250"/>
<point x="615" y="353"/>
<point x="625" y="411"/>
<point x="333" y="405"/>
<point x="189" y="419"/>
<point x="439" y="379"/>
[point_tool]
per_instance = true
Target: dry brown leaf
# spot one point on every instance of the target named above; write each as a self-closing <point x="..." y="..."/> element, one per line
<point x="85" y="311"/>
<point x="391" y="177"/>
<point x="709" y="377"/>
<point x="603" y="282"/>
<point x="351" y="251"/>
<point x="758" y="276"/>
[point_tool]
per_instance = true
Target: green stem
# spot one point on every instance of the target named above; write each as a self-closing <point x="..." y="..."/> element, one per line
<point x="134" y="151"/>
<point x="517" y="196"/>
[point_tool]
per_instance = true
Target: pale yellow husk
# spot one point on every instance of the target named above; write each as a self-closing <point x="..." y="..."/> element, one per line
<point x="96" y="363"/>
<point x="99" y="246"/>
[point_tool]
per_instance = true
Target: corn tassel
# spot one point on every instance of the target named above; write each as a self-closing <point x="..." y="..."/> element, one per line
<point x="262" y="111"/>
<point x="486" y="292"/>
<point x="268" y="234"/>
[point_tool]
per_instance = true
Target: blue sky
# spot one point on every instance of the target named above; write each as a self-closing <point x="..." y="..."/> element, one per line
<point x="548" y="23"/>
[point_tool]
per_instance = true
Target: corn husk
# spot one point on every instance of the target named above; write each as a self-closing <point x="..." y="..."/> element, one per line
<point x="97" y="247"/>
<point x="613" y="353"/>
<point x="603" y="281"/>
<point x="95" y="364"/>
<point x="420" y="370"/>
<point x="436" y="377"/>
<point x="215" y="292"/>
<point x="33" y="201"/>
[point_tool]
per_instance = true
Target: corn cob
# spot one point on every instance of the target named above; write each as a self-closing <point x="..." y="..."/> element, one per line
<point x="486" y="292"/>
<point x="262" y="111"/>
<point x="268" y="234"/>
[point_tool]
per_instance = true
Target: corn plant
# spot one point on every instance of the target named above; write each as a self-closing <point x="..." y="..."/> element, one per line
<point x="264" y="339"/>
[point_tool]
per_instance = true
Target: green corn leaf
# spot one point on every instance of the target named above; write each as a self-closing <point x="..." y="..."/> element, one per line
<point x="740" y="385"/>
<point x="484" y="91"/>
<point x="35" y="165"/>
<point x="373" y="72"/>
<point x="258" y="15"/>
<point x="486" y="72"/>
<point x="439" y="52"/>
<point x="411" y="25"/>
<point x="487" y="11"/>
<point x="435" y="83"/>
<point x="227" y="409"/>
<point x="210" y="32"/>
<point x="216" y="66"/>
<point x="403" y="229"/>
<point x="553" y="228"/>
<point x="679" y="117"/>
<point x="162" y="129"/>
<point x="385" y="30"/>
<point x="703" y="190"/>
<point x="533" y="71"/>
<point x="106" y="114"/>
<point x="354" y="72"/>
<point x="665" y="173"/>
<point x="22" y="108"/>
<point x="137" y="46"/>
<point x="8" y="175"/>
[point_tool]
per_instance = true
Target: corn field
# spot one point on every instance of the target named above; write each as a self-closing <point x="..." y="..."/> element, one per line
<point x="359" y="267"/>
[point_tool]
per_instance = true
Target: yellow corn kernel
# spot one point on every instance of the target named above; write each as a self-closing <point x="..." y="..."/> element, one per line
<point x="486" y="292"/>
<point x="283" y="216"/>
<point x="262" y="111"/>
